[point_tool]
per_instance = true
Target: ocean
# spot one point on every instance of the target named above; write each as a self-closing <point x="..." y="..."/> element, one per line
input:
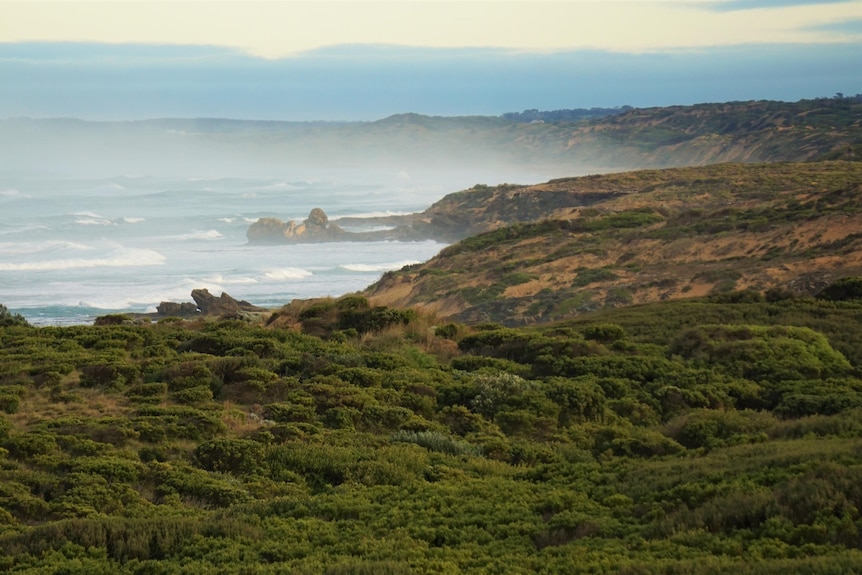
<point x="74" y="248"/>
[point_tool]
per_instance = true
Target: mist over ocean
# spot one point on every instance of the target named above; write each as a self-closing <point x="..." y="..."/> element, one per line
<point x="75" y="248"/>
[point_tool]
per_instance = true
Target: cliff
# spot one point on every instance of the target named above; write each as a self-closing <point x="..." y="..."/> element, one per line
<point x="704" y="134"/>
<point x="638" y="237"/>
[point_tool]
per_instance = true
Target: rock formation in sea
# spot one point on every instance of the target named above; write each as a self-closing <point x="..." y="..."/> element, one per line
<point x="314" y="229"/>
<point x="207" y="304"/>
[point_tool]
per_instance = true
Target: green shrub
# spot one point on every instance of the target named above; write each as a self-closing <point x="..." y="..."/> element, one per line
<point x="236" y="456"/>
<point x="446" y="331"/>
<point x="374" y="319"/>
<point x="435" y="441"/>
<point x="352" y="303"/>
<point x="495" y="390"/>
<point x="30" y="444"/>
<point x="710" y="428"/>
<point x="772" y="353"/>
<point x="605" y="332"/>
<point x="193" y="395"/>
<point x="849" y="288"/>
<point x="585" y="276"/>
<point x="9" y="319"/>
<point x="9" y="403"/>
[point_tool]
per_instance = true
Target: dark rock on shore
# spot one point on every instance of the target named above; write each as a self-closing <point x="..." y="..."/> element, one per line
<point x="206" y="304"/>
<point x="173" y="308"/>
<point x="224" y="306"/>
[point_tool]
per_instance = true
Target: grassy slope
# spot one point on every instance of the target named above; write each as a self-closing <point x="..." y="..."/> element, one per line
<point x="638" y="440"/>
<point x="715" y="435"/>
<point x="635" y="237"/>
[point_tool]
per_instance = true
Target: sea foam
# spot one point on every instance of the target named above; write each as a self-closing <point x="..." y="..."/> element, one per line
<point x="287" y="274"/>
<point x="199" y="235"/>
<point x="130" y="257"/>
<point x="371" y="215"/>
<point x="235" y="280"/>
<point x="384" y="267"/>
<point x="28" y="248"/>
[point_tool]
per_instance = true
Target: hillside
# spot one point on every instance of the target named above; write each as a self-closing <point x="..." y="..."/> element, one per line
<point x="739" y="132"/>
<point x="637" y="138"/>
<point x="653" y="371"/>
<point x="713" y="435"/>
<point x="608" y="240"/>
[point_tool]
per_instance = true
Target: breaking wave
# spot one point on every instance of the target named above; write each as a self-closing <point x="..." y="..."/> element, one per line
<point x="207" y="235"/>
<point x="122" y="258"/>
<point x="371" y="215"/>
<point x="385" y="267"/>
<point x="25" y="248"/>
<point x="287" y="274"/>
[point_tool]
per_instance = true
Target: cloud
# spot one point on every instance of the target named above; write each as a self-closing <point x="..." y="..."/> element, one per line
<point x="737" y="5"/>
<point x="850" y="27"/>
<point x="371" y="82"/>
<point x="277" y="29"/>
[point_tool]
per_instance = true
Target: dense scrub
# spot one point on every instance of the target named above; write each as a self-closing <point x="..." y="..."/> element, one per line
<point x="718" y="435"/>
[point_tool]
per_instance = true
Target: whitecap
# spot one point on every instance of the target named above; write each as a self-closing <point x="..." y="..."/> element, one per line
<point x="226" y="220"/>
<point x="94" y="222"/>
<point x="133" y="220"/>
<point x="91" y="219"/>
<point x="198" y="235"/>
<point x="235" y="280"/>
<point x="26" y="248"/>
<point x="371" y="215"/>
<point x="22" y="229"/>
<point x="131" y="257"/>
<point x="109" y="303"/>
<point x="287" y="274"/>
<point x="360" y="228"/>
<point x="280" y="186"/>
<point x="384" y="267"/>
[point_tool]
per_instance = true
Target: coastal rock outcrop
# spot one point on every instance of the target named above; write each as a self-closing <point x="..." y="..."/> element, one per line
<point x="315" y="228"/>
<point x="207" y="304"/>
<point x="174" y="308"/>
<point x="458" y="215"/>
<point x="224" y="305"/>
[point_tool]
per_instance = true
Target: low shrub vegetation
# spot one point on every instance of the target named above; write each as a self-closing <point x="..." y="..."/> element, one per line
<point x="716" y="435"/>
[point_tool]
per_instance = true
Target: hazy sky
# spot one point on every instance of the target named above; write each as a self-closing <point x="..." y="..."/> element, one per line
<point x="357" y="59"/>
<point x="281" y="28"/>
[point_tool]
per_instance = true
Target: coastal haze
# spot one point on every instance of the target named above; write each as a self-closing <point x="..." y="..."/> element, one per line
<point x="99" y="218"/>
<point x="138" y="140"/>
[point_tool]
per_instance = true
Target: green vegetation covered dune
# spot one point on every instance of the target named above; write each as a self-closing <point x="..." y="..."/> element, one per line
<point x="712" y="435"/>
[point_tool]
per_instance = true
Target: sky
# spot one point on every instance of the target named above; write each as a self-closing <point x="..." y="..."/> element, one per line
<point x="361" y="60"/>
